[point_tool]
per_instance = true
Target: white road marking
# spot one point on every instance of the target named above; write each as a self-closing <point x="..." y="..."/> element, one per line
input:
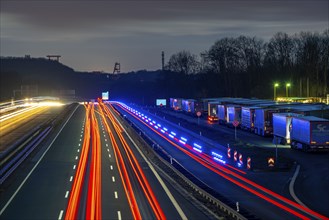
<point x="108" y="150"/>
<point x="111" y="167"/>
<point x="71" y="178"/>
<point x="29" y="174"/>
<point x="109" y="155"/>
<point x="74" y="167"/>
<point x="165" y="188"/>
<point x="105" y="139"/>
<point x="76" y="157"/>
<point x="113" y="179"/>
<point x="80" y="139"/>
<point x="66" y="194"/>
<point x="291" y="187"/>
<point x="107" y="145"/>
<point x="119" y="215"/>
<point x="78" y="150"/>
<point x="79" y="145"/>
<point x="115" y="194"/>
<point x="60" y="215"/>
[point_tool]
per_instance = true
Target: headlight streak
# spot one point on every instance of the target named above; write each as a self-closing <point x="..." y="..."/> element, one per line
<point x="219" y="169"/>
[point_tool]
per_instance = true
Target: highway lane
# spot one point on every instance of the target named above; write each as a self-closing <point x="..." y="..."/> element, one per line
<point x="189" y="210"/>
<point x="115" y="203"/>
<point x="247" y="200"/>
<point x="135" y="177"/>
<point x="44" y="193"/>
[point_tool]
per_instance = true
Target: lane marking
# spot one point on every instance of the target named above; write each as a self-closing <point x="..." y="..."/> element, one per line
<point x="115" y="194"/>
<point x="60" y="215"/>
<point x="119" y="215"/>
<point x="42" y="156"/>
<point x="66" y="194"/>
<point x="107" y="145"/>
<point x="113" y="179"/>
<point x="105" y="139"/>
<point x="291" y="187"/>
<point x="79" y="145"/>
<point x="165" y="188"/>
<point x="74" y="167"/>
<point x="111" y="167"/>
<point x="109" y="155"/>
<point x="108" y="150"/>
<point x="78" y="150"/>
<point x="71" y="178"/>
<point x="76" y="157"/>
<point x="80" y="139"/>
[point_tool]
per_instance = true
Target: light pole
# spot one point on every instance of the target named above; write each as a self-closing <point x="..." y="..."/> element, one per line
<point x="287" y="87"/>
<point x="275" y="86"/>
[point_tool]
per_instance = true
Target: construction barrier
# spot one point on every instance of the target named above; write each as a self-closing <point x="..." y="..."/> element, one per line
<point x="240" y="158"/>
<point x="248" y="163"/>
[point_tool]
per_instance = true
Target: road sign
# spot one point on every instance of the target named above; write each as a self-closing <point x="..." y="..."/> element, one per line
<point x="248" y="163"/>
<point x="236" y="123"/>
<point x="240" y="158"/>
<point x="235" y="155"/>
<point x="228" y="152"/>
<point x="271" y="162"/>
<point x="198" y="114"/>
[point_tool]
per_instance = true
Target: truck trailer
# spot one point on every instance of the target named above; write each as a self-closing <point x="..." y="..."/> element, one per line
<point x="233" y="114"/>
<point x="212" y="111"/>
<point x="282" y="127"/>
<point x="263" y="121"/>
<point x="248" y="118"/>
<point x="176" y="104"/>
<point x="309" y="133"/>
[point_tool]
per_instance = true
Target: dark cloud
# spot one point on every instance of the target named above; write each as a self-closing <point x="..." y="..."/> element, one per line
<point x="125" y="29"/>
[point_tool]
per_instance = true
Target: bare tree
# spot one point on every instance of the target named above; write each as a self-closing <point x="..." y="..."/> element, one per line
<point x="184" y="62"/>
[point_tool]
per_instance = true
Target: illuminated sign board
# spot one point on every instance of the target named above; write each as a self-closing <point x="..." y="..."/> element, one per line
<point x="161" y="102"/>
<point x="105" y="95"/>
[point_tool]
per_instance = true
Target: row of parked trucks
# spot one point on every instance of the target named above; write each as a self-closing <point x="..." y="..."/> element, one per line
<point x="302" y="125"/>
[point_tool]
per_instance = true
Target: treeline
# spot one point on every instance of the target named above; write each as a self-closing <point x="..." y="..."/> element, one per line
<point x="249" y="67"/>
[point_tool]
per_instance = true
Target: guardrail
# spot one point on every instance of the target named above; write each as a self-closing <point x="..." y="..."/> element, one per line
<point x="197" y="185"/>
<point x="15" y="159"/>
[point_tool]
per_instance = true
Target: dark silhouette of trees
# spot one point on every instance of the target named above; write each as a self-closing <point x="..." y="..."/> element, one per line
<point x="184" y="62"/>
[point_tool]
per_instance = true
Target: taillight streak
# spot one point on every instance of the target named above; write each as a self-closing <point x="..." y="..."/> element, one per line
<point x="123" y="173"/>
<point x="138" y="172"/>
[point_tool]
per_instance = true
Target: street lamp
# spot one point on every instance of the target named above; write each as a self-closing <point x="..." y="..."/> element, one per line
<point x="287" y="87"/>
<point x="275" y="86"/>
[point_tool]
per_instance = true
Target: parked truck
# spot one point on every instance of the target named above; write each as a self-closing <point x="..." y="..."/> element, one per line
<point x="221" y="110"/>
<point x="233" y="114"/>
<point x="212" y="111"/>
<point x="282" y="127"/>
<point x="309" y="133"/>
<point x="263" y="121"/>
<point x="192" y="106"/>
<point x="176" y="104"/>
<point x="248" y="118"/>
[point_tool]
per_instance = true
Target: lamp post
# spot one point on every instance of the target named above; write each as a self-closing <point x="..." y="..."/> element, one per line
<point x="287" y="87"/>
<point x="275" y="86"/>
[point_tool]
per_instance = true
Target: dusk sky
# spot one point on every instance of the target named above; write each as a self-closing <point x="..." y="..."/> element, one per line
<point x="93" y="35"/>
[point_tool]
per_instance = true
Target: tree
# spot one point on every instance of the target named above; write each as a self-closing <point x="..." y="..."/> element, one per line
<point x="184" y="62"/>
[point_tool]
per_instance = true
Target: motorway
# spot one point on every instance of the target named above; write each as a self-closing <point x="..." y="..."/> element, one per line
<point x="91" y="169"/>
<point x="257" y="199"/>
